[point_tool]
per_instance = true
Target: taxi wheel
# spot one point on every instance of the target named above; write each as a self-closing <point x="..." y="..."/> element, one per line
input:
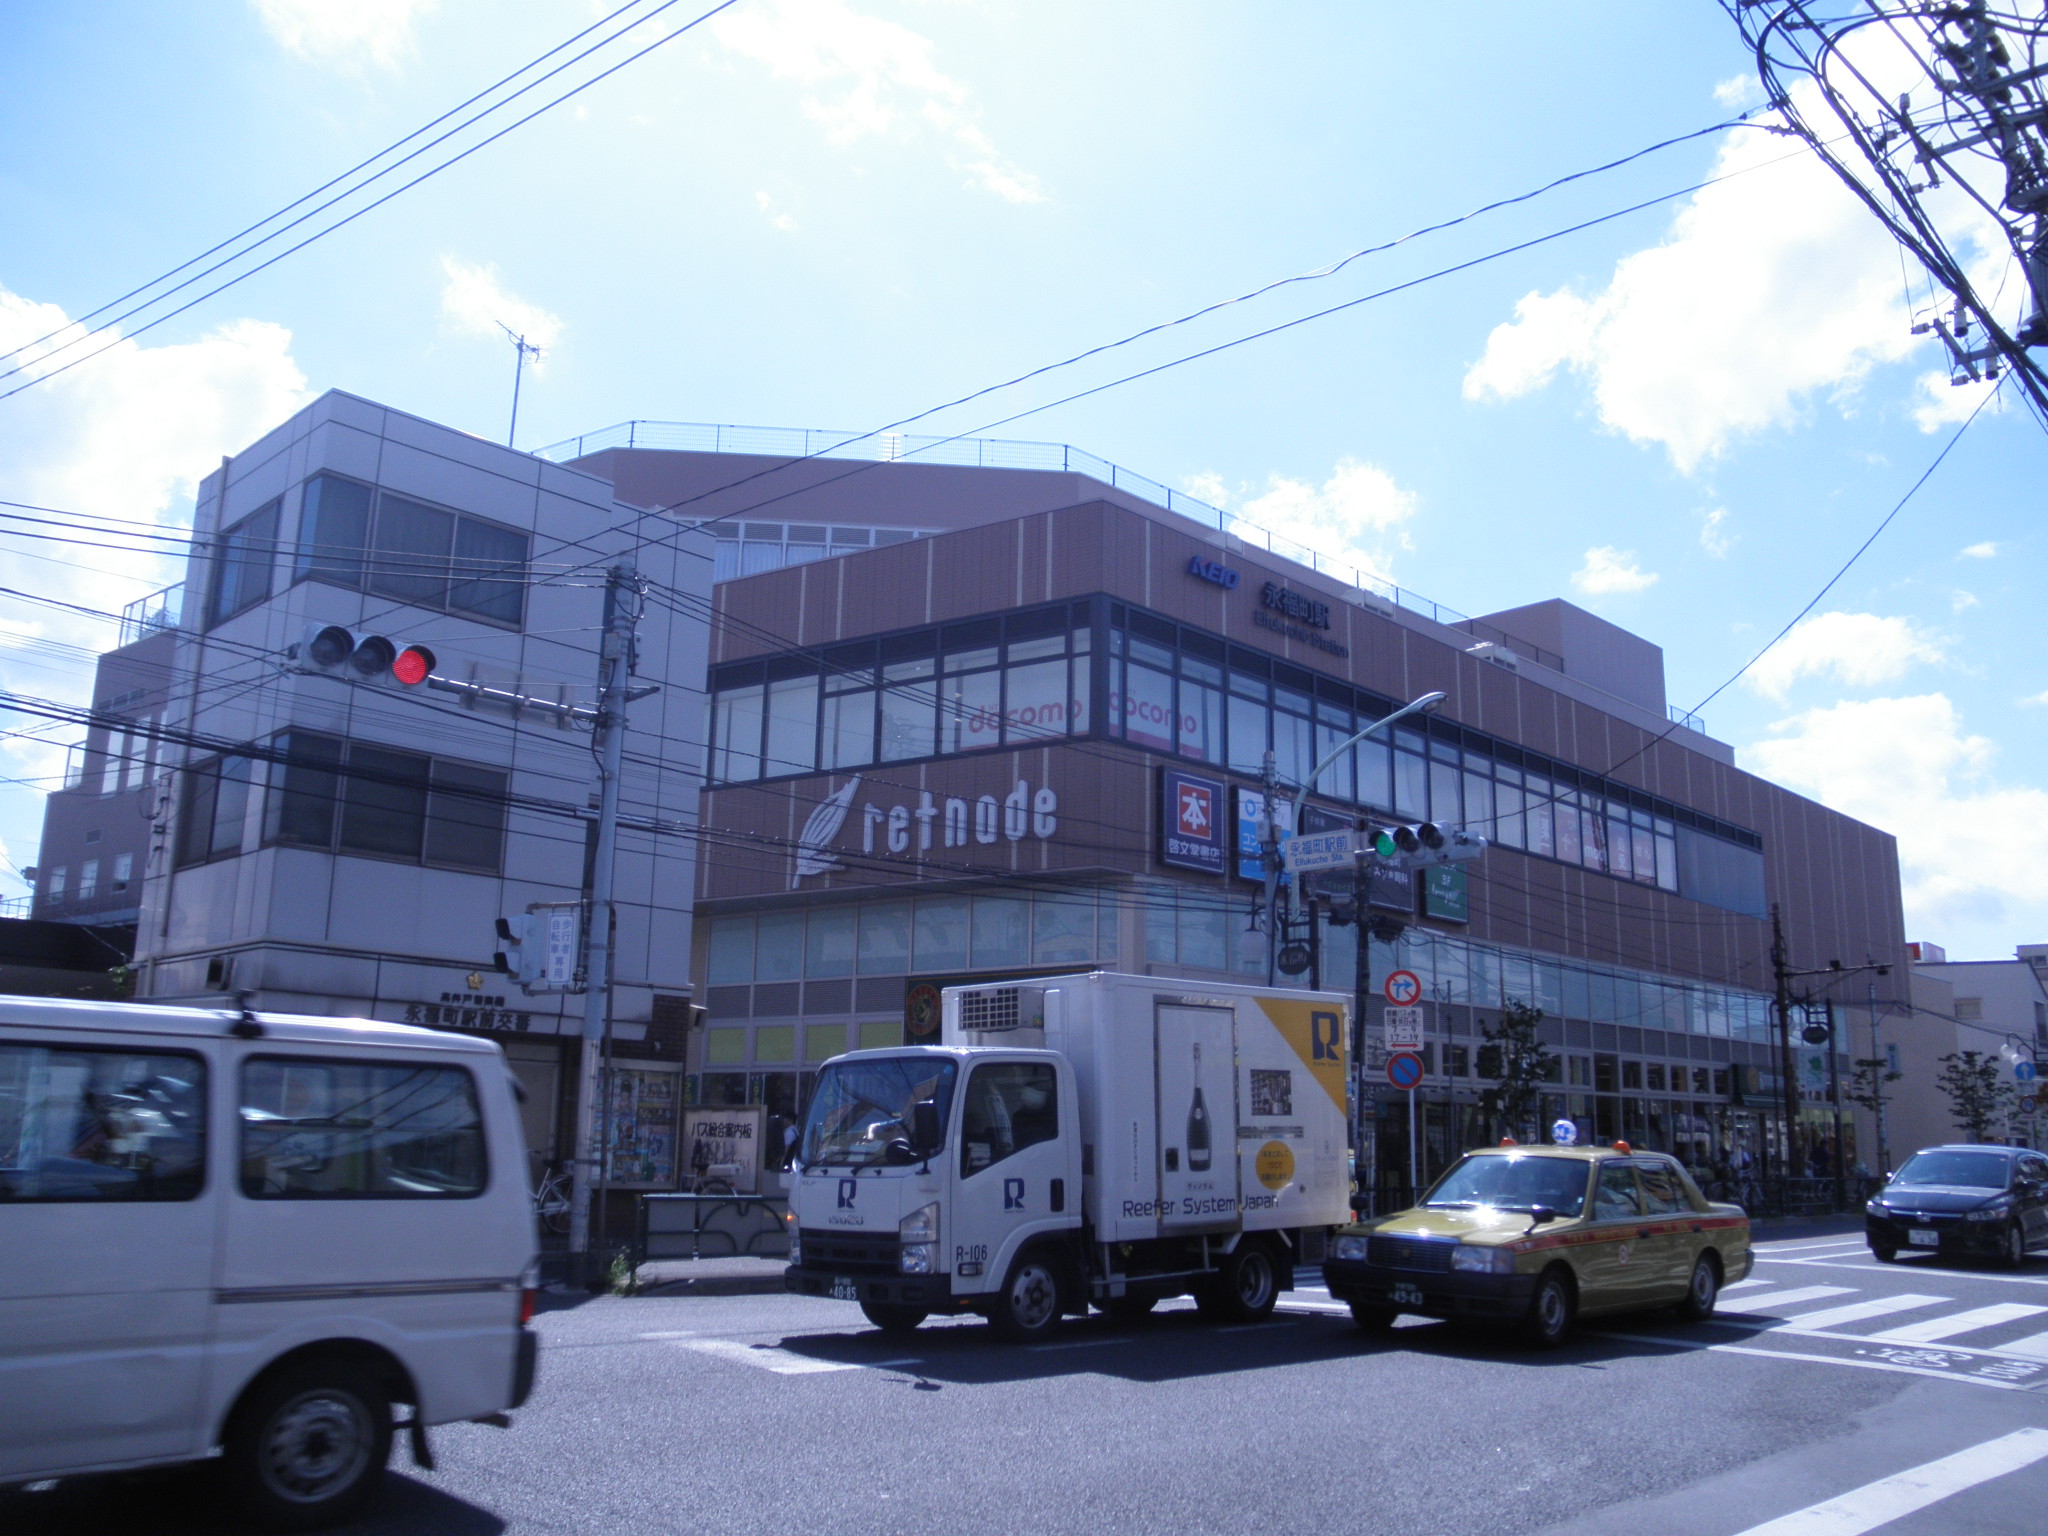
<point x="1702" y="1290"/>
<point x="1884" y="1253"/>
<point x="893" y="1319"/>
<point x="1373" y="1319"/>
<point x="1551" y="1310"/>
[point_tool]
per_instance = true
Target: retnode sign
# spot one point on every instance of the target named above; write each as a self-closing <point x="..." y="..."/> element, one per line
<point x="912" y="831"/>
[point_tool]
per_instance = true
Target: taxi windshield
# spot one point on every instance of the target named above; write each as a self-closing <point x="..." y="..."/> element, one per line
<point x="1966" y="1170"/>
<point x="1512" y="1183"/>
<point x="861" y="1106"/>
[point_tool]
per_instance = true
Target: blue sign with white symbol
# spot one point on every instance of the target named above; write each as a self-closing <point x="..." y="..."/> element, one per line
<point x="2025" y="1071"/>
<point x="1564" y="1133"/>
<point x="1404" y="1069"/>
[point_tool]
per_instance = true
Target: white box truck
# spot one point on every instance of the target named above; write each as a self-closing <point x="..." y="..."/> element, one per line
<point x="1081" y="1140"/>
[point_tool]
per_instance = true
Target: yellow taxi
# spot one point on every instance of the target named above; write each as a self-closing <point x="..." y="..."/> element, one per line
<point x="1538" y="1236"/>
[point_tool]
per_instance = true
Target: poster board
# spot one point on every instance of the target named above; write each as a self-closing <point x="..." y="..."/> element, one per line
<point x="640" y="1128"/>
<point x="717" y="1136"/>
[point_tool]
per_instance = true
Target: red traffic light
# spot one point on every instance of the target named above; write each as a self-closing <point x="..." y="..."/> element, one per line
<point x="413" y="665"/>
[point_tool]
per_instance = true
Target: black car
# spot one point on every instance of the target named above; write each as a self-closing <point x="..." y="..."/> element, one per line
<point x="1964" y="1200"/>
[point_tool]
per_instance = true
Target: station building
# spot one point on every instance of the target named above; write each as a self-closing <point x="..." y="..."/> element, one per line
<point x="1008" y="713"/>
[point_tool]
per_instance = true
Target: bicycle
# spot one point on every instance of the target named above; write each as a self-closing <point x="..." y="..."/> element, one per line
<point x="552" y="1200"/>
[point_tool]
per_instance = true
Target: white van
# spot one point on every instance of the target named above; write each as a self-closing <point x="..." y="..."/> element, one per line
<point x="252" y="1235"/>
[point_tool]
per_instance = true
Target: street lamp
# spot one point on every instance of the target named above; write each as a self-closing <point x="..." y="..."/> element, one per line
<point x="1427" y="704"/>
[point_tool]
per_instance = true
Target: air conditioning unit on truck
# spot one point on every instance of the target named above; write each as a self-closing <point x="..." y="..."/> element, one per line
<point x="1075" y="1141"/>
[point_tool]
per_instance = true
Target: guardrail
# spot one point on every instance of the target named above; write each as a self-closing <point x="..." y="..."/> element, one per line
<point x="734" y="1226"/>
<point x="1012" y="453"/>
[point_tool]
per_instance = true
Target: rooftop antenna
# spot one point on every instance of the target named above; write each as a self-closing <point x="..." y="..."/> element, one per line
<point x="525" y="349"/>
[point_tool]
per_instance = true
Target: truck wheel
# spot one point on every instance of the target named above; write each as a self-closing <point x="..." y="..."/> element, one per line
<point x="1701" y="1291"/>
<point x="893" y="1319"/>
<point x="1244" y="1287"/>
<point x="307" y="1446"/>
<point x="1551" y="1310"/>
<point x="1028" y="1306"/>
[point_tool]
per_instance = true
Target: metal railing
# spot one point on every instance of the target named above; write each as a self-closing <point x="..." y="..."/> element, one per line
<point x="734" y="1226"/>
<point x="147" y="615"/>
<point x="1373" y="592"/>
<point x="1686" y="718"/>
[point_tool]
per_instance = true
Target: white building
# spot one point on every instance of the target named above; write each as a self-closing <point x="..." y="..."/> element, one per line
<point x="334" y="842"/>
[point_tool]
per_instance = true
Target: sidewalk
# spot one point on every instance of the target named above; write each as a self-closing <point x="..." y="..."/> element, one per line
<point x="712" y="1277"/>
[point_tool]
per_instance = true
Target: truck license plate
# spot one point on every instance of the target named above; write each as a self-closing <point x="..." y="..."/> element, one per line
<point x="1406" y="1295"/>
<point x="1923" y="1237"/>
<point x="844" y="1289"/>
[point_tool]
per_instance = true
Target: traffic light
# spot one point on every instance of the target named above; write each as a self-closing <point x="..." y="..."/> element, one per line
<point x="1421" y="843"/>
<point x="522" y="948"/>
<point x="373" y="658"/>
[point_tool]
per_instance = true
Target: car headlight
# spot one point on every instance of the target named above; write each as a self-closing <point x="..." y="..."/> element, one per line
<point x="921" y="1225"/>
<point x="1997" y="1210"/>
<point x="916" y="1258"/>
<point x="1484" y="1258"/>
<point x="1350" y="1246"/>
<point x="1875" y="1208"/>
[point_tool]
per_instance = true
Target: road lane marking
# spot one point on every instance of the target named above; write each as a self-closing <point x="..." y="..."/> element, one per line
<point x="1786" y="1298"/>
<point x="1858" y="1311"/>
<point x="1861" y="1365"/>
<point x="1816" y="1242"/>
<point x="765" y="1357"/>
<point x="2033" y="1347"/>
<point x="1893" y="1498"/>
<point x="1740" y="1284"/>
<point x="1958" y="1322"/>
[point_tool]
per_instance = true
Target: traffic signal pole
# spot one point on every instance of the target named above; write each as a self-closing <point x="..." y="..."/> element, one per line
<point x="623" y="589"/>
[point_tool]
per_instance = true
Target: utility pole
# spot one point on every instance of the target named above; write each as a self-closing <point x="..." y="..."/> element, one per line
<point x="1269" y="858"/>
<point x="1781" y="974"/>
<point x="1835" y="1099"/>
<point x="524" y="350"/>
<point x="1884" y="1146"/>
<point x="622" y="599"/>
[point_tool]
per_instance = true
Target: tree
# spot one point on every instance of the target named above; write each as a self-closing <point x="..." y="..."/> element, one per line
<point x="1867" y="1077"/>
<point x="1978" y="1094"/>
<point x="1519" y="1064"/>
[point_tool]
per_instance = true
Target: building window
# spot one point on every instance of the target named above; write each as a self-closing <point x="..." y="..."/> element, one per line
<point x="359" y="798"/>
<point x="124" y="871"/>
<point x="242" y="558"/>
<point x="88" y="879"/>
<point x="53" y="888"/>
<point x="216" y="802"/>
<point x="395" y="547"/>
<point x="1969" y="1009"/>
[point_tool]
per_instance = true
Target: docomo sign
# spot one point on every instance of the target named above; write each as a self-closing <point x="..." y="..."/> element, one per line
<point x="1049" y="716"/>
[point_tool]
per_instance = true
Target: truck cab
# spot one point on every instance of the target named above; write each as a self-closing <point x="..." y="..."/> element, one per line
<point x="926" y="1176"/>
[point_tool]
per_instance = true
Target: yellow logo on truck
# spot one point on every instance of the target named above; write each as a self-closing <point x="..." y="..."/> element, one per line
<point x="1275" y="1165"/>
<point x="1320" y="1036"/>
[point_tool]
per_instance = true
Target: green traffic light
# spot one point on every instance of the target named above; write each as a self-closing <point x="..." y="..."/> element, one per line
<point x="1383" y="843"/>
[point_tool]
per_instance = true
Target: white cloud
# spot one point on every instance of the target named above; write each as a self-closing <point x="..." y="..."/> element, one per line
<point x="1739" y="91"/>
<point x="1860" y="650"/>
<point x="1985" y="551"/>
<point x="344" y="31"/>
<point x="128" y="434"/>
<point x="781" y="221"/>
<point x="1946" y="404"/>
<point x="1609" y="570"/>
<point x="862" y="76"/>
<point x="1357" y="518"/>
<point x="1714" y="537"/>
<point x="474" y="302"/>
<point x="1973" y="852"/>
<point x="1772" y="286"/>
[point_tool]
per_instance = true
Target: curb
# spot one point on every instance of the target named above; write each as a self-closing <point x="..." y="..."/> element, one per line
<point x="716" y="1285"/>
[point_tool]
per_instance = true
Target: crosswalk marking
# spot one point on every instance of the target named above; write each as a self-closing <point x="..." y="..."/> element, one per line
<point x="765" y="1356"/>
<point x="2034" y="1347"/>
<point x="1958" y="1322"/>
<point x="1785" y="1298"/>
<point x="1858" y="1311"/>
<point x="1892" y="1498"/>
<point x="1740" y="1284"/>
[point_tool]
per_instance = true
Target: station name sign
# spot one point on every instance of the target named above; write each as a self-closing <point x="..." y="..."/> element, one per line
<point x="1302" y="619"/>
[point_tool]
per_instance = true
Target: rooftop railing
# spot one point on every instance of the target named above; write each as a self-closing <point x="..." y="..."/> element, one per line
<point x="1372" y="591"/>
<point x="147" y="615"/>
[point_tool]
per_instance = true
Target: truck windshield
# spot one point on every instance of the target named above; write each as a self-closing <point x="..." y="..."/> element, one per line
<point x="862" y="1106"/>
<point x="1513" y="1183"/>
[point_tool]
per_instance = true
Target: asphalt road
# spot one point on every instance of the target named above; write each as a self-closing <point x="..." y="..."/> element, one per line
<point x="1827" y="1379"/>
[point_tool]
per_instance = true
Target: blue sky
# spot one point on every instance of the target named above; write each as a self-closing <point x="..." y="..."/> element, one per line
<point x="840" y="212"/>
